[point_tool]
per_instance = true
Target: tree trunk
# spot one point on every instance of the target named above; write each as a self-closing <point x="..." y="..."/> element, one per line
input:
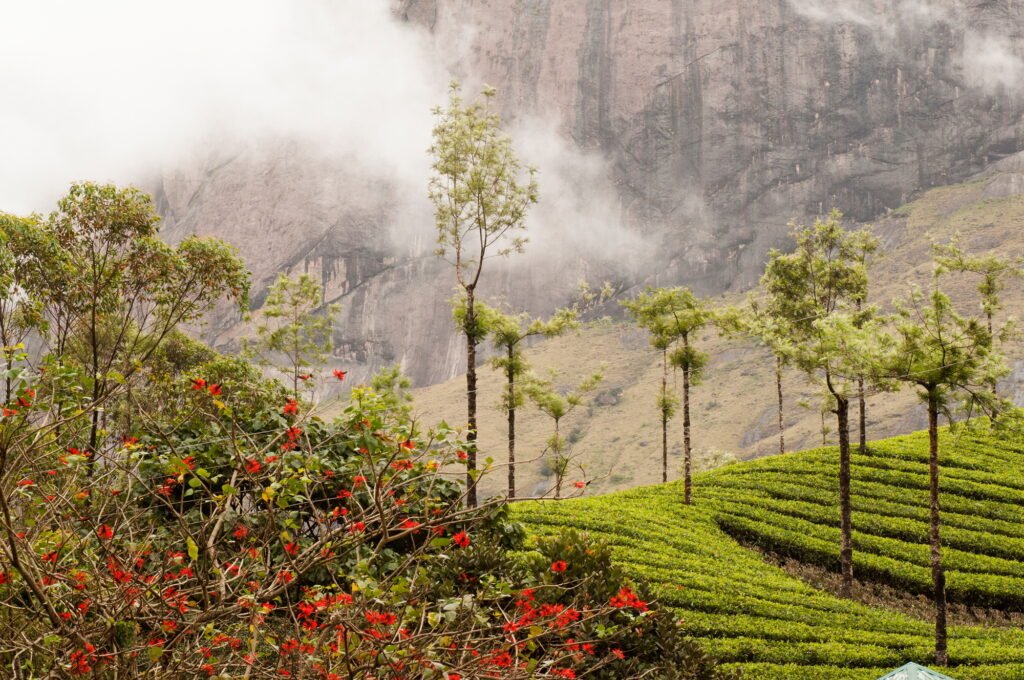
<point x="863" y="416"/>
<point x="938" y="573"/>
<point x="782" y="422"/>
<point x="664" y="415"/>
<point x="686" y="426"/>
<point x="845" y="510"/>
<point x="470" y="399"/>
<point x="511" y="374"/>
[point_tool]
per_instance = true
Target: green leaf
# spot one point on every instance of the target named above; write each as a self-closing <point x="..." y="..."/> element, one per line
<point x="193" y="549"/>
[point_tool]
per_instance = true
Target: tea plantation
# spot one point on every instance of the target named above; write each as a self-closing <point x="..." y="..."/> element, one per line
<point x="757" y="617"/>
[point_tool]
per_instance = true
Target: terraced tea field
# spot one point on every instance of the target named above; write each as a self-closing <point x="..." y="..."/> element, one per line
<point x="759" y="618"/>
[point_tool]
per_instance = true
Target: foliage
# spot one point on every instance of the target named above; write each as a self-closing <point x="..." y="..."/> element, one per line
<point x="229" y="533"/>
<point x="481" y="194"/>
<point x="297" y="327"/>
<point x="673" y="316"/>
<point x="557" y="404"/>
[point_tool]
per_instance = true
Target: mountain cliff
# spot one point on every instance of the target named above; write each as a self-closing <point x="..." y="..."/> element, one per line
<point x="716" y="122"/>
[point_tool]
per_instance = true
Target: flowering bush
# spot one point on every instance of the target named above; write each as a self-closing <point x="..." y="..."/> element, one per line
<point x="283" y="546"/>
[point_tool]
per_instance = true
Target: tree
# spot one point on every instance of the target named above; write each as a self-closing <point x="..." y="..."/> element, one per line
<point x="557" y="405"/>
<point x="864" y="244"/>
<point x="673" y="316"/>
<point x="509" y="333"/>
<point x="298" y="327"/>
<point x="26" y="253"/>
<point x="995" y="273"/>
<point x="753" y="321"/>
<point x="117" y="290"/>
<point x="946" y="357"/>
<point x="815" y="290"/>
<point x="481" y="194"/>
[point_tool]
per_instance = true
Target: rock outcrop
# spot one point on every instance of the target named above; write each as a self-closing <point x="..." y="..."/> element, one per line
<point x="720" y="121"/>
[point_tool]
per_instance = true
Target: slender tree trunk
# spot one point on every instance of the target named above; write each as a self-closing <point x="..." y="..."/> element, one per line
<point x="845" y="509"/>
<point x="664" y="415"/>
<point x="687" y="462"/>
<point x="511" y="374"/>
<point x="782" y="422"/>
<point x="470" y="398"/>
<point x="862" y="404"/>
<point x="938" y="572"/>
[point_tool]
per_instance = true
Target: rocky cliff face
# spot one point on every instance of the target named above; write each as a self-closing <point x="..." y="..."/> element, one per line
<point x="720" y="121"/>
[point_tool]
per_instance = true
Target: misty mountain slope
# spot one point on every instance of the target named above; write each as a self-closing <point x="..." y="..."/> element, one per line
<point x="734" y="414"/>
<point x="695" y="128"/>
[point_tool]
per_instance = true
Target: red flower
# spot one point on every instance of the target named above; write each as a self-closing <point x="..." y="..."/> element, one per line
<point x="357" y="527"/>
<point x="462" y="455"/>
<point x="240" y="532"/>
<point x="581" y="485"/>
<point x="461" y="539"/>
<point x="252" y="466"/>
<point x="129" y="441"/>
<point x="410" y="524"/>
<point x="291" y="548"/>
<point x="104" y="532"/>
<point x="291" y="408"/>
<point x="339" y="374"/>
<point x="198" y="384"/>
<point x="8" y="412"/>
<point x="558" y="566"/>
<point x="26" y="482"/>
<point x="215" y="390"/>
<point x="618" y="653"/>
<point x="408" y="445"/>
<point x="23" y="402"/>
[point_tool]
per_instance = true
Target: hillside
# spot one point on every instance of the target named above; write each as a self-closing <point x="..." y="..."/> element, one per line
<point x="773" y="625"/>
<point x="734" y="412"/>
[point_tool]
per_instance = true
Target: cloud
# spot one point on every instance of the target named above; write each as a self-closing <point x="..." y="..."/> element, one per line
<point x="991" y="63"/>
<point x="113" y="89"/>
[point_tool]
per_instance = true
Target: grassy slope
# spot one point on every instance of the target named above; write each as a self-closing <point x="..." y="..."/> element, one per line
<point x="759" y="618"/>
<point x="734" y="410"/>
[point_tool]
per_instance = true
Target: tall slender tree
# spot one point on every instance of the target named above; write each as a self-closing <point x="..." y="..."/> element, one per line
<point x="509" y="334"/>
<point x="815" y="290"/>
<point x="481" y="194"/>
<point x="946" y="357"/>
<point x="673" y="317"/>
<point x="864" y="245"/>
<point x="752" y="320"/>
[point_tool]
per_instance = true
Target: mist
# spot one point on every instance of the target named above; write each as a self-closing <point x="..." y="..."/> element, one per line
<point x="114" y="90"/>
<point x="988" y="59"/>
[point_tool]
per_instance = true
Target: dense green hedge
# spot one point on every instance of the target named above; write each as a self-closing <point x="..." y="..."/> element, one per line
<point x="756" y="617"/>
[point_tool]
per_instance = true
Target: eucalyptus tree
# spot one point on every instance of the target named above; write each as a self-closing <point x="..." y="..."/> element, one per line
<point x="948" y="358"/>
<point x="815" y="291"/>
<point x="557" y="404"/>
<point x="674" y="316"/>
<point x="481" y="194"/>
<point x="509" y="334"/>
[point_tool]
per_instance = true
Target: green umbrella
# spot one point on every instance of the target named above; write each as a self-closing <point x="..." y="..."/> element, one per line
<point x="912" y="671"/>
